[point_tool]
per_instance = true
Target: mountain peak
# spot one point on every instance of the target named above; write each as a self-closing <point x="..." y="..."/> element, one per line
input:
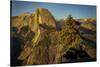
<point x="45" y="17"/>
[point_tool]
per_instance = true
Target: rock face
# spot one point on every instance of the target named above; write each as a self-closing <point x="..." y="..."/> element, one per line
<point x="21" y="20"/>
<point x="42" y="16"/>
<point x="31" y="28"/>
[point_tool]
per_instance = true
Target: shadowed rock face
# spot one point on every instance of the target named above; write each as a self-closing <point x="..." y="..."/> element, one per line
<point x="75" y="54"/>
<point x="16" y="46"/>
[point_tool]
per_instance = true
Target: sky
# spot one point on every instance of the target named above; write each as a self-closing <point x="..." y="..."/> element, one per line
<point x="59" y="11"/>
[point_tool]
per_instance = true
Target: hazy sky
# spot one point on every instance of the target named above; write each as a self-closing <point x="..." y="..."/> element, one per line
<point x="59" y="11"/>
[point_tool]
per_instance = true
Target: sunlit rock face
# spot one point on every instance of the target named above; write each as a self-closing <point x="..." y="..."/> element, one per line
<point x="40" y="16"/>
<point x="21" y="20"/>
<point x="43" y="16"/>
<point x="28" y="28"/>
